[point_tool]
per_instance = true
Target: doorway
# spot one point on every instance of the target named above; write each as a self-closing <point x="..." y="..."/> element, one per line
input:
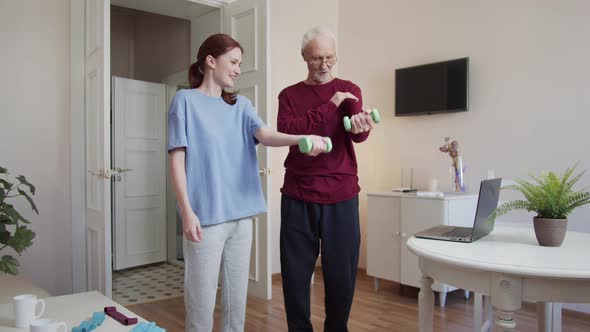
<point x="150" y="51"/>
<point x="245" y="20"/>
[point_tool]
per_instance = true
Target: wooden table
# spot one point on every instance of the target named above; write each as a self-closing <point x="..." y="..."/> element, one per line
<point x="72" y="309"/>
<point x="509" y="266"/>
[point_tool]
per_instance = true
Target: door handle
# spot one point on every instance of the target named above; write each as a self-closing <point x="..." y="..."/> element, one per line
<point x="264" y="171"/>
<point x="103" y="173"/>
<point x="107" y="173"/>
<point x="120" y="170"/>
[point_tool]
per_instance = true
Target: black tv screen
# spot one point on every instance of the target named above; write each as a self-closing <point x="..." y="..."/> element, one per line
<point x="439" y="87"/>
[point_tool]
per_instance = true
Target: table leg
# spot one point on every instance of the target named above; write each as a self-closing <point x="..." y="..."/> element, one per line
<point x="506" y="295"/>
<point x="556" y="320"/>
<point x="442" y="298"/>
<point x="544" y="316"/>
<point x="504" y="321"/>
<point x="488" y="314"/>
<point x="426" y="304"/>
<point x="477" y="312"/>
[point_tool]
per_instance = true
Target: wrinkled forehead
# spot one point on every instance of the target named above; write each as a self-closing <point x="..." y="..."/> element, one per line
<point x="320" y="46"/>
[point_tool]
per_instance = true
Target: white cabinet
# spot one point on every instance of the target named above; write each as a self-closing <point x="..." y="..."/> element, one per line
<point x="383" y="238"/>
<point x="393" y="217"/>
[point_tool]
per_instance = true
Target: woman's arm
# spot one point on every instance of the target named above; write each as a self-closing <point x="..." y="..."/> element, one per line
<point x="191" y="224"/>
<point x="271" y="137"/>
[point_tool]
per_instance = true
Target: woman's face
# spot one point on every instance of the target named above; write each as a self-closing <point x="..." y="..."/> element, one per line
<point x="226" y="68"/>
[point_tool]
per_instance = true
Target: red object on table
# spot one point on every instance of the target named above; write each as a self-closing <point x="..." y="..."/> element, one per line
<point x="112" y="312"/>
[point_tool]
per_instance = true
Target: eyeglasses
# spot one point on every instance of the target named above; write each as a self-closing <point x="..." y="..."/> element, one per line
<point x="318" y="60"/>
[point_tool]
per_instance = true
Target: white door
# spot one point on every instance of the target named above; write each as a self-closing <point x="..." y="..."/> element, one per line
<point x="139" y="151"/>
<point x="246" y="21"/>
<point x="97" y="145"/>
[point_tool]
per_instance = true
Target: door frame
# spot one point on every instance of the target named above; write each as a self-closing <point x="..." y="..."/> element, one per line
<point x="174" y="80"/>
<point x="77" y="140"/>
<point x="78" y="132"/>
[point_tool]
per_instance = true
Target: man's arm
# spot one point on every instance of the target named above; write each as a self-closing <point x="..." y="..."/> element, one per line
<point x="291" y="121"/>
<point x="358" y="118"/>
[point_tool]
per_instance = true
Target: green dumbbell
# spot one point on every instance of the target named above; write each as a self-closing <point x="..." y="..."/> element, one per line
<point x="374" y="114"/>
<point x="305" y="144"/>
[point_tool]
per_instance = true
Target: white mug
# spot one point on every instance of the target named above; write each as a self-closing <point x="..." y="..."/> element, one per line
<point x="25" y="309"/>
<point x="47" y="325"/>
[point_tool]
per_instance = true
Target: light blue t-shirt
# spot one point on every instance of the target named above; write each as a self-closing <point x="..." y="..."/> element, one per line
<point x="221" y="165"/>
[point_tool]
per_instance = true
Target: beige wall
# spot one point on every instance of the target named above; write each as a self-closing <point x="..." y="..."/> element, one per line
<point x="34" y="139"/>
<point x="529" y="96"/>
<point x="147" y="46"/>
<point x="289" y="21"/>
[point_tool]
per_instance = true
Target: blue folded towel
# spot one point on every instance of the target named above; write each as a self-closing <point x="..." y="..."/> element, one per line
<point x="147" y="327"/>
<point x="90" y="324"/>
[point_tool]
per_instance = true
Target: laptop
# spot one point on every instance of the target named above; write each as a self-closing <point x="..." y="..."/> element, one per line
<point x="487" y="202"/>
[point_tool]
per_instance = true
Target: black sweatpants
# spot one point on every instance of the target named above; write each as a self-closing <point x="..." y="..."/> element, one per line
<point x="303" y="225"/>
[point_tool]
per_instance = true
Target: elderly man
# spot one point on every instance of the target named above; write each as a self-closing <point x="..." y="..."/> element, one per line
<point x="320" y="195"/>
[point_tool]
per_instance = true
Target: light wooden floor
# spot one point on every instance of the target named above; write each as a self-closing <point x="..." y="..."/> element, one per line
<point x="385" y="310"/>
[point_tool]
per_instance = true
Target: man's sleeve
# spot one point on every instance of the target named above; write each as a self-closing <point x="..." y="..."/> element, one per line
<point x="353" y="108"/>
<point x="298" y="122"/>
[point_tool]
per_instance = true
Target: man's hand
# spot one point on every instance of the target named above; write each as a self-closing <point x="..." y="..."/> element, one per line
<point x="318" y="145"/>
<point x="192" y="227"/>
<point x="339" y="97"/>
<point x="362" y="122"/>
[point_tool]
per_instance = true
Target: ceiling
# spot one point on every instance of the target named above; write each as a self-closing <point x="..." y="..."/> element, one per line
<point x="176" y="8"/>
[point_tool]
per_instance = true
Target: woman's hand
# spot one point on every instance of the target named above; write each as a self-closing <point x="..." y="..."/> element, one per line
<point x="318" y="145"/>
<point x="192" y="227"/>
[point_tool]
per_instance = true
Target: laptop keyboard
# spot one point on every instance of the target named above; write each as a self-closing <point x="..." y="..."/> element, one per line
<point x="459" y="232"/>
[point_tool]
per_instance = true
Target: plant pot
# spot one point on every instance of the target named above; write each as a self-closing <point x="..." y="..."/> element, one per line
<point x="550" y="232"/>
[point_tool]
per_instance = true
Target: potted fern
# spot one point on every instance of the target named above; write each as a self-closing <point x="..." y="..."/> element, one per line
<point x="14" y="232"/>
<point x="552" y="198"/>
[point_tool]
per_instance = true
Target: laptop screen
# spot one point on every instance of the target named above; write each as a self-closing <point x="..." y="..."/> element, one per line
<point x="489" y="192"/>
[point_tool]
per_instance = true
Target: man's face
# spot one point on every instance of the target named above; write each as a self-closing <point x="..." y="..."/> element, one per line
<point x="320" y="55"/>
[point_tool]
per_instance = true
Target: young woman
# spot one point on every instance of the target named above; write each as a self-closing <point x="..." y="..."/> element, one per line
<point x="212" y="137"/>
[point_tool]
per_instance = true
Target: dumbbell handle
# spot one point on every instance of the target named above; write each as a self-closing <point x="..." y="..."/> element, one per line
<point x="374" y="115"/>
<point x="305" y="144"/>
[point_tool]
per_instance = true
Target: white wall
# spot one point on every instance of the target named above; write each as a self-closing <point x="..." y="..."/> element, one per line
<point x="529" y="95"/>
<point x="34" y="139"/>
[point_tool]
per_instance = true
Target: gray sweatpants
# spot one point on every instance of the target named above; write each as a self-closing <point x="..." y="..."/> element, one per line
<point x="227" y="245"/>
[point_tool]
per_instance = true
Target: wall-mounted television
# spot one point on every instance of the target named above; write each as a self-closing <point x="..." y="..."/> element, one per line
<point x="440" y="87"/>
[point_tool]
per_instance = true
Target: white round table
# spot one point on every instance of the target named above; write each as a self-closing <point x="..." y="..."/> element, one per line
<point x="509" y="266"/>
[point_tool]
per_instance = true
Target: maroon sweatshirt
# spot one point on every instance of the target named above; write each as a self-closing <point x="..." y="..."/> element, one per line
<point x="307" y="109"/>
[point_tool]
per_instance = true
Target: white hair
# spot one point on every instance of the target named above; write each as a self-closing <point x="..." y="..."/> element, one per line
<point x="313" y="33"/>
